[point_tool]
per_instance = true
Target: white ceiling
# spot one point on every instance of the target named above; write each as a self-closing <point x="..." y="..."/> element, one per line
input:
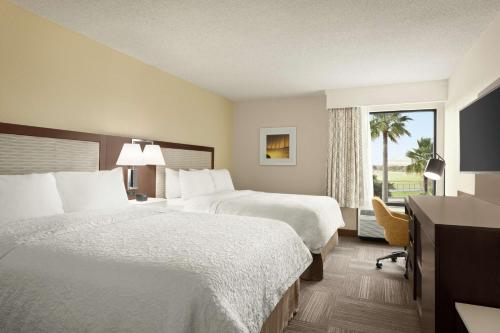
<point x="256" y="48"/>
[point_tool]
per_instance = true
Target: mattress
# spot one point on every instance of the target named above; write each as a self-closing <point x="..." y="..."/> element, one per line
<point x="145" y="269"/>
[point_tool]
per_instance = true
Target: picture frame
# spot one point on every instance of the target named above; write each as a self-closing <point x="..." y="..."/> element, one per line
<point x="278" y="146"/>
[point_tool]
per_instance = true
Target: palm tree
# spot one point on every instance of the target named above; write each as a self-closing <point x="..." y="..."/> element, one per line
<point x="391" y="126"/>
<point x="419" y="157"/>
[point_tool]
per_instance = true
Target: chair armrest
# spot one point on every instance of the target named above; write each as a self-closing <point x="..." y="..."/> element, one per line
<point x="400" y="215"/>
<point x="397" y="222"/>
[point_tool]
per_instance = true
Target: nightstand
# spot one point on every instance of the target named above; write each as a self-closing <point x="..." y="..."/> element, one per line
<point x="159" y="202"/>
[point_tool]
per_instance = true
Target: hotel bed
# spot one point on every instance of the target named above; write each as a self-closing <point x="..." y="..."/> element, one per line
<point x="141" y="269"/>
<point x="77" y="257"/>
<point x="316" y="219"/>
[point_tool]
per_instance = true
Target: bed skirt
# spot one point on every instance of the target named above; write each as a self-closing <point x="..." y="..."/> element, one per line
<point x="315" y="271"/>
<point x="284" y="311"/>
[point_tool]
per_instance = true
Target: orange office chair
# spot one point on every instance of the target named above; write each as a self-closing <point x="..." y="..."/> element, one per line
<point x="395" y="229"/>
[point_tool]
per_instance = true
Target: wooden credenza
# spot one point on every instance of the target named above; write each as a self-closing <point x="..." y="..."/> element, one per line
<point x="453" y="256"/>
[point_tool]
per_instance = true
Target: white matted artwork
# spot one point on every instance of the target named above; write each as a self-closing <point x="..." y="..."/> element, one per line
<point x="278" y="146"/>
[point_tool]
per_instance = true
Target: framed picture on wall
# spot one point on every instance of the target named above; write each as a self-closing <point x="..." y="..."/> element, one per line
<point x="278" y="146"/>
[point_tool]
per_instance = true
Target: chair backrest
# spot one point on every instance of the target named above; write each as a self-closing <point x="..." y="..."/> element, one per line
<point x="382" y="212"/>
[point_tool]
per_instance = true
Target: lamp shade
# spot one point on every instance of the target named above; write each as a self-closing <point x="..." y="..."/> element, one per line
<point x="434" y="169"/>
<point x="153" y="155"/>
<point x="131" y="154"/>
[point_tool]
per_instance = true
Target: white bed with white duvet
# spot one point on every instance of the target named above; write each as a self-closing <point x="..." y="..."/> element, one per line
<point x="315" y="219"/>
<point x="99" y="265"/>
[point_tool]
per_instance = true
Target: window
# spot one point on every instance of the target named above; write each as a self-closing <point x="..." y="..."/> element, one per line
<point x="402" y="143"/>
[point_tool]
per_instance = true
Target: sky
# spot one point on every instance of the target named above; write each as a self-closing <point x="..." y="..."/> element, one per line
<point x="421" y="125"/>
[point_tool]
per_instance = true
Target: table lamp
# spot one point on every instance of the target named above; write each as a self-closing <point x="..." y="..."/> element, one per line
<point x="435" y="168"/>
<point x="152" y="155"/>
<point x="131" y="156"/>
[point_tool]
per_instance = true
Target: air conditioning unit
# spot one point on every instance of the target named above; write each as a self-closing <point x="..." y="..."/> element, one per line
<point x="368" y="228"/>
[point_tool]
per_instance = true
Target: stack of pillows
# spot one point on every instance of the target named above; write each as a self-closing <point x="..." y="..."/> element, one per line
<point x="37" y="195"/>
<point x="188" y="184"/>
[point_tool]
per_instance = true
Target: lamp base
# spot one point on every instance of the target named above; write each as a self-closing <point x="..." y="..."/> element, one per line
<point x="133" y="176"/>
<point x="141" y="197"/>
<point x="132" y="183"/>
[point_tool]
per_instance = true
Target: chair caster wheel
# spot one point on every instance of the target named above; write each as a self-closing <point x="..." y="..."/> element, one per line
<point x="394" y="259"/>
<point x="379" y="265"/>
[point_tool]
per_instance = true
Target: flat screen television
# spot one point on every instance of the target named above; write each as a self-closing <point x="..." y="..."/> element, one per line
<point x="480" y="134"/>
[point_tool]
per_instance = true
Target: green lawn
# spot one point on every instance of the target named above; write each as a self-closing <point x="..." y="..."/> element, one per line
<point x="405" y="183"/>
<point x="400" y="176"/>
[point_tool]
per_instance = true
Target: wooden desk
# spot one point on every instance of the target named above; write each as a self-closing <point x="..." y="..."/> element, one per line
<point x="479" y="319"/>
<point x="454" y="256"/>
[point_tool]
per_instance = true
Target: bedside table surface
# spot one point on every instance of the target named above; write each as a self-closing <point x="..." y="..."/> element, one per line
<point x="149" y="201"/>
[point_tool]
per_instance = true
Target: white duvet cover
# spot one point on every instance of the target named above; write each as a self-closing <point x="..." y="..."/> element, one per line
<point x="145" y="269"/>
<point x="314" y="218"/>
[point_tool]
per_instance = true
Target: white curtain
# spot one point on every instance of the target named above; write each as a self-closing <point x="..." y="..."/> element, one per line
<point x="349" y="178"/>
<point x="367" y="166"/>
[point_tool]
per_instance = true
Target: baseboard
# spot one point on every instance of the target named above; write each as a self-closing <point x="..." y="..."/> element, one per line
<point x="373" y="239"/>
<point x="348" y="232"/>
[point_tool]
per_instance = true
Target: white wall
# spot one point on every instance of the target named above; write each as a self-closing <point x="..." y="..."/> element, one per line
<point x="394" y="94"/>
<point x="476" y="71"/>
<point x="309" y="116"/>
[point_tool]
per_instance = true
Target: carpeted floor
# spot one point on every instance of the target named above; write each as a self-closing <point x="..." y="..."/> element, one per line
<point x="354" y="297"/>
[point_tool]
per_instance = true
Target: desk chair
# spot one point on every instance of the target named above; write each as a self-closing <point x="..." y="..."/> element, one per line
<point x="395" y="229"/>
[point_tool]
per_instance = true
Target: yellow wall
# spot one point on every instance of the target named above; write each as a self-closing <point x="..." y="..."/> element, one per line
<point x="53" y="77"/>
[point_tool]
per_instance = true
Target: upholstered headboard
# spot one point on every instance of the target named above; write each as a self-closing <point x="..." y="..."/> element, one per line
<point x="22" y="154"/>
<point x="27" y="149"/>
<point x="181" y="159"/>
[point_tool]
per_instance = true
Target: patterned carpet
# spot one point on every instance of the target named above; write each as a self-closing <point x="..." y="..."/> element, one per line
<point x="354" y="297"/>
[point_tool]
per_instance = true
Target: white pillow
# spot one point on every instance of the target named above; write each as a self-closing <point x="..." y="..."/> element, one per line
<point x="28" y="196"/>
<point x="195" y="183"/>
<point x="222" y="180"/>
<point x="172" y="184"/>
<point x="81" y="191"/>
